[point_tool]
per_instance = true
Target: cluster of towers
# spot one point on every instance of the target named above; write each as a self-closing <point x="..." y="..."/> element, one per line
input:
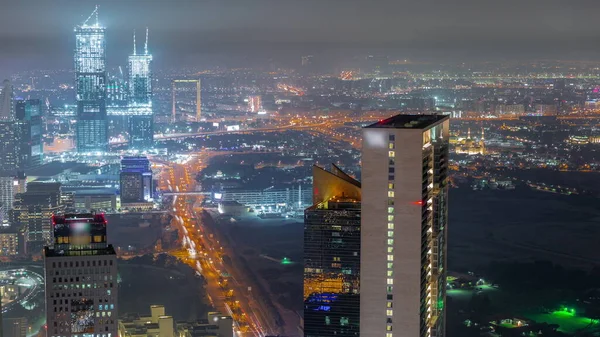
<point x="94" y="103"/>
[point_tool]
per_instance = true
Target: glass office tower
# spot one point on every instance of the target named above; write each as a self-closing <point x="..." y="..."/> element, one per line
<point x="90" y="72"/>
<point x="332" y="256"/>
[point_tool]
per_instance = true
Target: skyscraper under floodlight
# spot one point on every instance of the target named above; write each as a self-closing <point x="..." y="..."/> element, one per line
<point x="404" y="217"/>
<point x="141" y="126"/>
<point x="90" y="72"/>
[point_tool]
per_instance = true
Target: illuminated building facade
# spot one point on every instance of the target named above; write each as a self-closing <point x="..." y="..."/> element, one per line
<point x="29" y="151"/>
<point x="136" y="180"/>
<point x="332" y="256"/>
<point x="141" y="123"/>
<point x="404" y="226"/>
<point x="32" y="211"/>
<point x="81" y="278"/>
<point x="8" y="147"/>
<point x="9" y="242"/>
<point x="254" y="104"/>
<point x="90" y="72"/>
<point x="6" y="101"/>
<point x="470" y="146"/>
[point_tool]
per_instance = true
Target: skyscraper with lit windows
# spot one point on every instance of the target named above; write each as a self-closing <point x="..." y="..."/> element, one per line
<point x="141" y="123"/>
<point x="332" y="256"/>
<point x="90" y="72"/>
<point x="81" y="278"/>
<point x="404" y="226"/>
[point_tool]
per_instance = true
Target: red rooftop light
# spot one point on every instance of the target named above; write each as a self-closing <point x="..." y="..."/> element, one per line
<point x="420" y="202"/>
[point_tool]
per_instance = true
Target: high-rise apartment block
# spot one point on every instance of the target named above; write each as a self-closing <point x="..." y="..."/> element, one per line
<point x="404" y="226"/>
<point x="90" y="73"/>
<point x="136" y="180"/>
<point x="332" y="255"/>
<point x="81" y="278"/>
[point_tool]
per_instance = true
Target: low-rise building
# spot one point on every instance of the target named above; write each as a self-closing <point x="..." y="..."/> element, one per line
<point x="158" y="324"/>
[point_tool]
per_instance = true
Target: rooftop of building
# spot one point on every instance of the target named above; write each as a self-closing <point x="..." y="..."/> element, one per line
<point x="409" y="122"/>
<point x="51" y="252"/>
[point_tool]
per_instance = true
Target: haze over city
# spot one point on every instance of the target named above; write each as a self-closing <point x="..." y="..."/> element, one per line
<point x="299" y="168"/>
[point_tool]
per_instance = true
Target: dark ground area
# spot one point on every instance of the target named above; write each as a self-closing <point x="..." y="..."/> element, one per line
<point x="165" y="281"/>
<point x="485" y="226"/>
<point x="521" y="225"/>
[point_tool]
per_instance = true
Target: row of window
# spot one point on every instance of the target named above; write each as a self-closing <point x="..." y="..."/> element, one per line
<point x="88" y="263"/>
<point x="390" y="237"/>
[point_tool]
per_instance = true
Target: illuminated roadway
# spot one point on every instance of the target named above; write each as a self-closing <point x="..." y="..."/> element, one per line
<point x="203" y="252"/>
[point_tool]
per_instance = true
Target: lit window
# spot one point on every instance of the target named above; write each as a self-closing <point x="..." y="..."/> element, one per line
<point x="389" y="304"/>
<point x="390" y="234"/>
<point x="390" y="273"/>
<point x="391" y="146"/>
<point x="390" y="289"/>
<point x="390" y="194"/>
<point x="390" y="249"/>
<point x="390" y="258"/>
<point x="390" y="312"/>
<point x="390" y="225"/>
<point x="390" y="218"/>
<point x="390" y="265"/>
<point x="391" y="154"/>
<point x="391" y="186"/>
<point x="390" y="281"/>
<point x="389" y="334"/>
<point x="390" y="209"/>
<point x="390" y="242"/>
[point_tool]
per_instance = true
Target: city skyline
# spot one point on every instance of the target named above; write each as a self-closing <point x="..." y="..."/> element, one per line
<point x="206" y="32"/>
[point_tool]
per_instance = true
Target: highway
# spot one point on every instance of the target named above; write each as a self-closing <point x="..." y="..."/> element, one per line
<point x="202" y="251"/>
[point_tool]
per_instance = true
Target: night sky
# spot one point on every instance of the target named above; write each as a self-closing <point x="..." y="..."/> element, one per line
<point x="39" y="34"/>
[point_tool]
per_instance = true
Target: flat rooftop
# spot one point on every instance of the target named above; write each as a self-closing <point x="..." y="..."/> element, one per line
<point x="408" y="122"/>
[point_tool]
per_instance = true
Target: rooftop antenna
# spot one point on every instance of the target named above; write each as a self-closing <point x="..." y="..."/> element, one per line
<point x="95" y="12"/>
<point x="146" y="44"/>
<point x="134" y="48"/>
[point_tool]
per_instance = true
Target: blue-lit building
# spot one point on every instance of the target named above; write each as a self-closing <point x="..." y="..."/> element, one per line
<point x="141" y="123"/>
<point x="136" y="180"/>
<point x="90" y="72"/>
<point x="332" y="256"/>
<point x="28" y="118"/>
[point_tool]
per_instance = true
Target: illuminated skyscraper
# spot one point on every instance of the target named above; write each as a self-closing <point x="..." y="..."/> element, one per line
<point x="141" y="126"/>
<point x="90" y="72"/>
<point x="6" y="101"/>
<point x="332" y="256"/>
<point x="404" y="221"/>
<point x="136" y="180"/>
<point x="81" y="278"/>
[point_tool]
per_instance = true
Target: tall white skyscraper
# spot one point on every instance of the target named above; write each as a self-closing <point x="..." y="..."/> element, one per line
<point x="81" y="278"/>
<point x="403" y="227"/>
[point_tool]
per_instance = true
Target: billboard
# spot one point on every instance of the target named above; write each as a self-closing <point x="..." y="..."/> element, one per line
<point x="233" y="128"/>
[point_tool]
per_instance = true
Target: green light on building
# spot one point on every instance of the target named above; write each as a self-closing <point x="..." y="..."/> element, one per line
<point x="286" y="260"/>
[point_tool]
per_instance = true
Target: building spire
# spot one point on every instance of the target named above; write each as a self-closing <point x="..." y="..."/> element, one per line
<point x="134" y="47"/>
<point x="97" y="21"/>
<point x="146" y="44"/>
